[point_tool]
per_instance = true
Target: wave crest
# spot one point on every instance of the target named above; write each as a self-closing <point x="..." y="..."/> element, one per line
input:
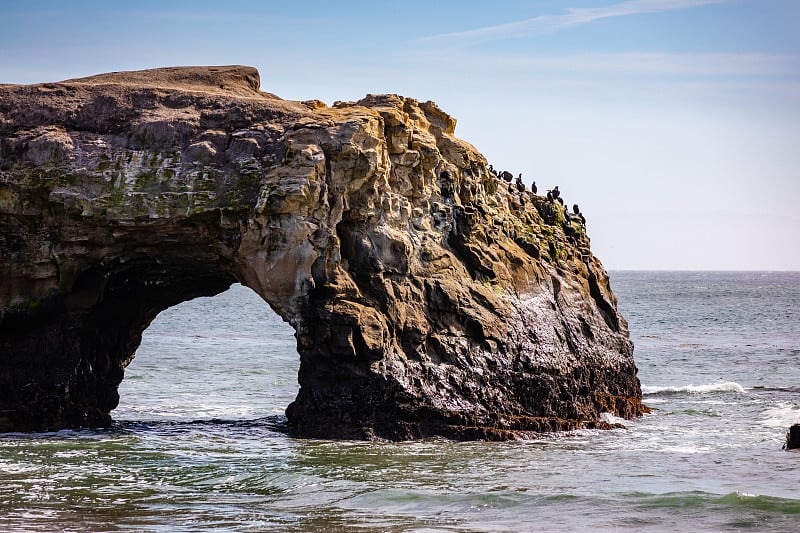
<point x="728" y="386"/>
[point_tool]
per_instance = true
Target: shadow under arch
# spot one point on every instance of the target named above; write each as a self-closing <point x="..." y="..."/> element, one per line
<point x="227" y="357"/>
<point x="64" y="357"/>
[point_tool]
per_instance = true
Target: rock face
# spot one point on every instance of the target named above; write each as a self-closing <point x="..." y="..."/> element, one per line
<point x="429" y="297"/>
<point x="793" y="438"/>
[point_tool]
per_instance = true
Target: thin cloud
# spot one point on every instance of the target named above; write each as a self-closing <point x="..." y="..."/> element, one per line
<point x="786" y="66"/>
<point x="575" y="16"/>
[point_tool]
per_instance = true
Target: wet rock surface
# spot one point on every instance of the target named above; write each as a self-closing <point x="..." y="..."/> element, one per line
<point x="793" y="438"/>
<point x="429" y="297"/>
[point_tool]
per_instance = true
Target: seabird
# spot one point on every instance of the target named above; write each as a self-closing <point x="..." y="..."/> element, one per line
<point x="520" y="183"/>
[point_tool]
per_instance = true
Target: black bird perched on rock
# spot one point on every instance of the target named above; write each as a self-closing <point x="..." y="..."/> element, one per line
<point x="549" y="196"/>
<point x="507" y="176"/>
<point x="533" y="187"/>
<point x="520" y="183"/>
<point x="556" y="192"/>
<point x="577" y="211"/>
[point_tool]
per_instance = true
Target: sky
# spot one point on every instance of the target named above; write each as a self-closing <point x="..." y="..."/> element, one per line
<point x="674" y="124"/>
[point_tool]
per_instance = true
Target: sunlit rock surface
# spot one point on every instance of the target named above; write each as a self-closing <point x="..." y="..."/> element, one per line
<point x="429" y="297"/>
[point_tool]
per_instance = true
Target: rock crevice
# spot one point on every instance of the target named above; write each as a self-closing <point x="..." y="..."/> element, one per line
<point x="429" y="297"/>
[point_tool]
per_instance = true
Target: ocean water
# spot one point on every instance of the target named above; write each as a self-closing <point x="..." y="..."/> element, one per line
<point x="199" y="441"/>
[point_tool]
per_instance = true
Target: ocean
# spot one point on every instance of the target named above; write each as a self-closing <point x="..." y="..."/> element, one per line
<point x="199" y="441"/>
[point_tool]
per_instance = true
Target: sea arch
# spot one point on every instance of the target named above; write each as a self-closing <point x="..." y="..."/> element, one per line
<point x="429" y="296"/>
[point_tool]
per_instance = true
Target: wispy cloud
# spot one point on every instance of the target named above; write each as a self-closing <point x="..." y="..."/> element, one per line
<point x="773" y="66"/>
<point x="575" y="16"/>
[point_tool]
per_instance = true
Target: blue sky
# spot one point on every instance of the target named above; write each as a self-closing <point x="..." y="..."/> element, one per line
<point x="675" y="124"/>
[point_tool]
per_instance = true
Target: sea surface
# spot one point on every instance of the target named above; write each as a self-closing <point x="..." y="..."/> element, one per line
<point x="199" y="442"/>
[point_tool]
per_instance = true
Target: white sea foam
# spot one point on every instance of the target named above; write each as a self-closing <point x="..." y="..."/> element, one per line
<point x="782" y="415"/>
<point x="727" y="386"/>
<point x="687" y="449"/>
<point x="611" y="418"/>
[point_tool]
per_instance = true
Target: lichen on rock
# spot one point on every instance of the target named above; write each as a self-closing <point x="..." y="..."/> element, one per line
<point x="429" y="297"/>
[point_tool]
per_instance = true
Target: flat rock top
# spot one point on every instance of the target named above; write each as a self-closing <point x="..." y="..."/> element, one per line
<point x="106" y="102"/>
<point x="236" y="80"/>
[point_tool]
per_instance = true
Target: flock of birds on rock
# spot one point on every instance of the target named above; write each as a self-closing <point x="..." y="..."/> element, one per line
<point x="553" y="195"/>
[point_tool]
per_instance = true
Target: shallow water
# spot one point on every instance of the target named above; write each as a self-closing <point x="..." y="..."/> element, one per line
<point x="199" y="441"/>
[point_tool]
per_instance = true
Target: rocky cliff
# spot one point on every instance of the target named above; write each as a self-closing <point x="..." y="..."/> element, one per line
<point x="429" y="297"/>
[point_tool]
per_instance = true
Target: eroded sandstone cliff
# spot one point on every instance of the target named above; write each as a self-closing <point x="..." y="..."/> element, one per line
<point x="428" y="296"/>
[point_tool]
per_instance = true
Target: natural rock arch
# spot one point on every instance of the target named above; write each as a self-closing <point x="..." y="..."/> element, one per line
<point x="428" y="297"/>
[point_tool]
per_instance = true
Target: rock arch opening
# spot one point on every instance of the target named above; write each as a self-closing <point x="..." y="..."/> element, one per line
<point x="227" y="357"/>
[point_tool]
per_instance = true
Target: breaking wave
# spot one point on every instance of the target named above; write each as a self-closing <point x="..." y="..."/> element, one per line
<point x="728" y="386"/>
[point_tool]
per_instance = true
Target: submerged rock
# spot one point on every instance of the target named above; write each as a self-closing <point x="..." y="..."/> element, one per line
<point x="426" y="297"/>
